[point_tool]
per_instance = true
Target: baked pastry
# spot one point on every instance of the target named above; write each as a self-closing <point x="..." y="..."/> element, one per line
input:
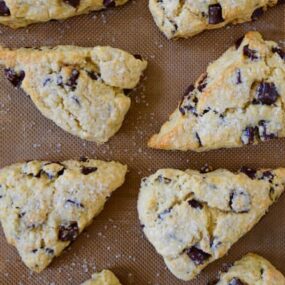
<point x="106" y="277"/>
<point x="17" y="14"/>
<point x="238" y="101"/>
<point x="81" y="89"/>
<point x="252" y="269"/>
<point x="188" y="18"/>
<point x="193" y="218"/>
<point x="44" y="206"/>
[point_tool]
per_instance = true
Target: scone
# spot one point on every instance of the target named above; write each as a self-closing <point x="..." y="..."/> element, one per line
<point x="44" y="206"/>
<point x="238" y="101"/>
<point x="194" y="218"/>
<point x="106" y="277"/>
<point x="187" y="18"/>
<point x="252" y="269"/>
<point x="16" y="13"/>
<point x="82" y="90"/>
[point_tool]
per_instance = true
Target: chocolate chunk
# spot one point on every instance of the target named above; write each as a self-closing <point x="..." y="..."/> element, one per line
<point x="248" y="135"/>
<point x="202" y="83"/>
<point x="250" y="53"/>
<point x="162" y="179"/>
<point x="238" y="74"/>
<point x="14" y="77"/>
<point x="49" y="251"/>
<point x="251" y="173"/>
<point x="164" y="213"/>
<point x="34" y="250"/>
<point x="88" y="170"/>
<point x="83" y="159"/>
<point x="195" y="204"/>
<point x="21" y="214"/>
<point x="199" y="139"/>
<point x="240" y="201"/>
<point x="266" y="93"/>
<point x="93" y="75"/>
<point x="75" y="203"/>
<point x="238" y="42"/>
<point x="188" y="90"/>
<point x="206" y="168"/>
<point x="68" y="232"/>
<point x="215" y="14"/>
<point x="256" y="14"/>
<point x="138" y="56"/>
<point x="127" y="91"/>
<point x="72" y="81"/>
<point x="263" y="131"/>
<point x="268" y="175"/>
<point x="236" y="281"/>
<point x="109" y="3"/>
<point x="279" y="51"/>
<point x="197" y="255"/>
<point x="73" y="3"/>
<point x="226" y="267"/>
<point x="46" y="81"/>
<point x="4" y="10"/>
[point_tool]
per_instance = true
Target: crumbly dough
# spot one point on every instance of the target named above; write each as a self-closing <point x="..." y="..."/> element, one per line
<point x="252" y="269"/>
<point x="44" y="205"/>
<point x="194" y="218"/>
<point x="81" y="89"/>
<point x="20" y="13"/>
<point x="106" y="277"/>
<point x="238" y="101"/>
<point x="187" y="18"/>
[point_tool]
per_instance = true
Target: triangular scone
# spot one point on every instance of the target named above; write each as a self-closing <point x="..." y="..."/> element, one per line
<point x="44" y="206"/>
<point x="105" y="277"/>
<point x="194" y="218"/>
<point x="252" y="269"/>
<point x="81" y="89"/>
<point x="16" y="14"/>
<point x="239" y="101"/>
<point x="185" y="19"/>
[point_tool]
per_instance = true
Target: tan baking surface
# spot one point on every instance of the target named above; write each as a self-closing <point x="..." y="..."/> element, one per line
<point x="115" y="240"/>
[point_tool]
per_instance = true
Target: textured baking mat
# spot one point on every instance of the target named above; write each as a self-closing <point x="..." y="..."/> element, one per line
<point x="115" y="239"/>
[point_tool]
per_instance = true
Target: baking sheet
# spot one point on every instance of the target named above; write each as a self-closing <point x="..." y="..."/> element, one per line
<point x="115" y="239"/>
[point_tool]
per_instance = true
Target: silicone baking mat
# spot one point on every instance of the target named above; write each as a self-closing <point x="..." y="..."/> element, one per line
<point x="115" y="239"/>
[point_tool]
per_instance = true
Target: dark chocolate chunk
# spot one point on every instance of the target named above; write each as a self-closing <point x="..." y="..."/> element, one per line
<point x="164" y="213"/>
<point x="49" y="251"/>
<point x="263" y="131"/>
<point x="73" y="3"/>
<point x="68" y="232"/>
<point x="268" y="175"/>
<point x="127" y="91"/>
<point x="238" y="74"/>
<point x="202" y="83"/>
<point x="195" y="204"/>
<point x="109" y="3"/>
<point x="88" y="170"/>
<point x="72" y="81"/>
<point x="14" y="77"/>
<point x="93" y="75"/>
<point x="4" y="10"/>
<point x="238" y="42"/>
<point x="266" y="93"/>
<point x="20" y="215"/>
<point x="240" y="201"/>
<point x="163" y="179"/>
<point x="248" y="135"/>
<point x="197" y="255"/>
<point x="83" y="159"/>
<point x="248" y="171"/>
<point x="215" y="14"/>
<point x="138" y="56"/>
<point x="256" y="14"/>
<point x="75" y="203"/>
<point x="279" y="51"/>
<point x="46" y="81"/>
<point x="188" y="90"/>
<point x="250" y="53"/>
<point x="226" y="267"/>
<point x="199" y="139"/>
<point x="34" y="250"/>
<point x="236" y="281"/>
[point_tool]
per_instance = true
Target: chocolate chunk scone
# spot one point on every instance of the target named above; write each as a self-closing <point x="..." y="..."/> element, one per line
<point x="194" y="218"/>
<point x="187" y="18"/>
<point x="106" y="277"/>
<point x="81" y="89"/>
<point x="44" y="206"/>
<point x="252" y="269"/>
<point x="238" y="101"/>
<point x="20" y="13"/>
